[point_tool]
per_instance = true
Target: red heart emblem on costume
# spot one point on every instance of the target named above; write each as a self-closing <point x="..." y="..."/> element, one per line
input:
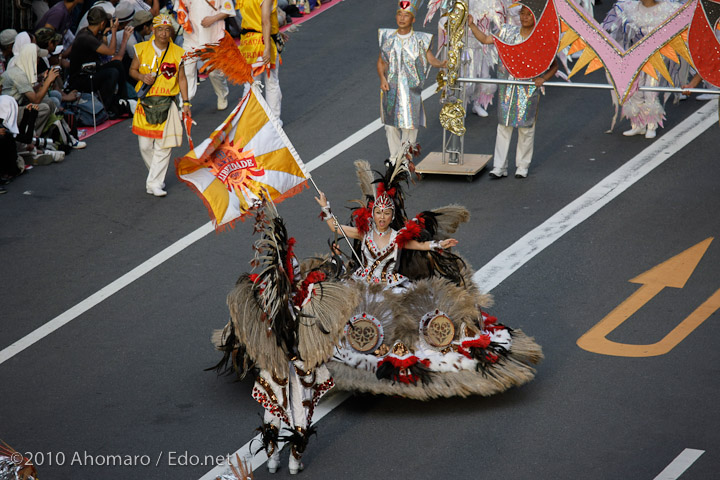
<point x="168" y="69"/>
<point x="404" y="5"/>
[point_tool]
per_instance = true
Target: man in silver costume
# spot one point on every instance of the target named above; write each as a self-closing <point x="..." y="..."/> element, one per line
<point x="402" y="67"/>
<point x="518" y="104"/>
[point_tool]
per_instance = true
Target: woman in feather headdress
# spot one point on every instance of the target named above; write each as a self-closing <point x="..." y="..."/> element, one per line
<point x="419" y="330"/>
<point x="285" y="322"/>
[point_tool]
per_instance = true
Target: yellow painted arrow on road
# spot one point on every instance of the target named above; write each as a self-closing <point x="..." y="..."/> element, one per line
<point x="675" y="273"/>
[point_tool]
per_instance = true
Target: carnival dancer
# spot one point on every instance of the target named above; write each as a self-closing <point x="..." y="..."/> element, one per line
<point x="402" y="67"/>
<point x="259" y="44"/>
<point x="488" y="15"/>
<point x="203" y="22"/>
<point x="160" y="78"/>
<point x="285" y="322"/>
<point x="419" y="330"/>
<point x="518" y="104"/>
<point x="628" y="22"/>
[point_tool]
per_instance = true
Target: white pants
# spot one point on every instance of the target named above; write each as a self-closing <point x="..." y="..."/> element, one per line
<point x="397" y="137"/>
<point x="273" y="95"/>
<point x="524" y="152"/>
<point x="217" y="80"/>
<point x="156" y="160"/>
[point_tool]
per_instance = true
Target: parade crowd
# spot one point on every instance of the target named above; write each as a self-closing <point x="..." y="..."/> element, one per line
<point x="69" y="64"/>
<point x="66" y="65"/>
<point x="431" y="337"/>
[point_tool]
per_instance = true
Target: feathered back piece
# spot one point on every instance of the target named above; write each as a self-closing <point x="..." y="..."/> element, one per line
<point x="224" y="56"/>
<point x="263" y="326"/>
<point x="365" y="180"/>
<point x="287" y="310"/>
<point x="437" y="224"/>
<point x="273" y="285"/>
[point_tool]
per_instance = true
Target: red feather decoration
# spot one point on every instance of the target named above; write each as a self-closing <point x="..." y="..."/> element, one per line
<point x="302" y="293"/>
<point x="289" y="267"/>
<point x="410" y="231"/>
<point x="361" y="218"/>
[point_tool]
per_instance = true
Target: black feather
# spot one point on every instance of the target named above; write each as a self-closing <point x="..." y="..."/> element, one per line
<point x="235" y="358"/>
<point x="298" y="438"/>
<point x="418" y="371"/>
<point x="269" y="435"/>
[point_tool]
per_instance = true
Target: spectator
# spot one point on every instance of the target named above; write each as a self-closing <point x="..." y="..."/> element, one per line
<point x="152" y="6"/>
<point x="11" y="165"/>
<point x="109" y="78"/>
<point x="39" y="8"/>
<point x="18" y="82"/>
<point x="124" y="13"/>
<point x="59" y="16"/>
<point x="142" y="29"/>
<point x="7" y="40"/>
<point x="49" y="40"/>
<point x="23" y="38"/>
<point x="107" y="5"/>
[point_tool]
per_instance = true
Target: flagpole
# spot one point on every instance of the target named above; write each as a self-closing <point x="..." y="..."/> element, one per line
<point x="601" y="86"/>
<point x="338" y="226"/>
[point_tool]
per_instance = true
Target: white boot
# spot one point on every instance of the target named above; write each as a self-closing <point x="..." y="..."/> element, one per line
<point x="634" y="131"/>
<point x="651" y="131"/>
<point x="479" y="111"/>
<point x="274" y="461"/>
<point x="295" y="465"/>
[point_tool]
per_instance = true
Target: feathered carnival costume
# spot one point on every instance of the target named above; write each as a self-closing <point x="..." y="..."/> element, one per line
<point x="628" y="21"/>
<point x="420" y="329"/>
<point x="284" y="324"/>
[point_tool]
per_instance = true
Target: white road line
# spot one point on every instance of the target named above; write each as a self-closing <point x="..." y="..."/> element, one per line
<point x="681" y="463"/>
<point x="106" y="292"/>
<point x="357" y="137"/>
<point x="177" y="247"/>
<point x="522" y="251"/>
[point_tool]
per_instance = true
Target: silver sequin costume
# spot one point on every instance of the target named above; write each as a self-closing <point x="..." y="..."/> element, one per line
<point x="406" y="57"/>
<point x="518" y="104"/>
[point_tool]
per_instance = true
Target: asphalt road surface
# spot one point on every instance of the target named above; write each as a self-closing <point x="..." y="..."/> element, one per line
<point x="137" y="284"/>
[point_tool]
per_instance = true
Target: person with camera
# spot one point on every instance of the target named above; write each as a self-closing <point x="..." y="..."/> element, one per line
<point x="21" y="82"/>
<point x="86" y="71"/>
<point x="158" y="69"/>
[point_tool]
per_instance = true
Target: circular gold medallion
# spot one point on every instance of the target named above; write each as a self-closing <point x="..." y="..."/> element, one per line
<point x="437" y="329"/>
<point x="364" y="333"/>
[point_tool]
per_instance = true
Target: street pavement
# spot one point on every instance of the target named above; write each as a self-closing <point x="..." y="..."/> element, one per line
<point x="123" y="379"/>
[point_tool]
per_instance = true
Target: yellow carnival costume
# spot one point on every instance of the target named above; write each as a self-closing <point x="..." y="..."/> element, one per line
<point x="166" y="83"/>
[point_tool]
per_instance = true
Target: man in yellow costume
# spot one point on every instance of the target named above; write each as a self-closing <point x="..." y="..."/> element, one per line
<point x="258" y="45"/>
<point x="157" y="69"/>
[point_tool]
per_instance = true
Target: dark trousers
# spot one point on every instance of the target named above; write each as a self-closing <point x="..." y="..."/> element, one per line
<point x="8" y="156"/>
<point x="108" y="78"/>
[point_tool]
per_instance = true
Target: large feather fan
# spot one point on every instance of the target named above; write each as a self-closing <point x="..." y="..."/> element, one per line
<point x="322" y="321"/>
